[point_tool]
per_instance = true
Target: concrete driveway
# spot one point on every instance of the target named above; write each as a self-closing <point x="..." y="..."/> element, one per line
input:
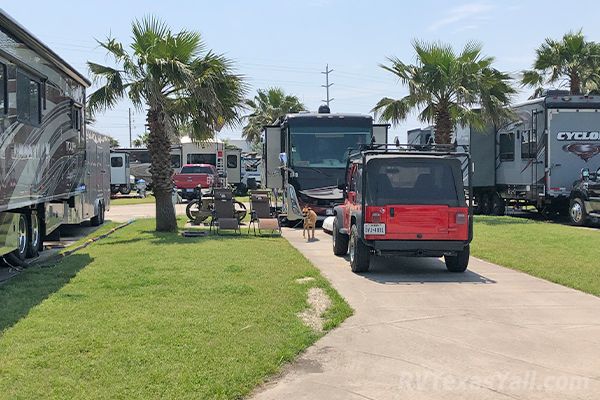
<point x="132" y="211"/>
<point x="420" y="332"/>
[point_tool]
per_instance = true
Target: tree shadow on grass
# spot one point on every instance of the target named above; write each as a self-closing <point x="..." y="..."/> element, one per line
<point x="25" y="291"/>
<point x="177" y="238"/>
<point x="493" y="221"/>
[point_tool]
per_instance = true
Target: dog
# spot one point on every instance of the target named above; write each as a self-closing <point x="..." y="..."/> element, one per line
<point x="310" y="222"/>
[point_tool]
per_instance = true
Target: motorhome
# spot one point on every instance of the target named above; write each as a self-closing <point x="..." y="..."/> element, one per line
<point x="52" y="170"/>
<point x="305" y="154"/>
<point x="535" y="158"/>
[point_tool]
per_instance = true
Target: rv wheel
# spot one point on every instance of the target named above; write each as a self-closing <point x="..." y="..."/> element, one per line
<point x="498" y="205"/>
<point x="35" y="234"/>
<point x="125" y="190"/>
<point x="22" y="239"/>
<point x="98" y="219"/>
<point x="577" y="212"/>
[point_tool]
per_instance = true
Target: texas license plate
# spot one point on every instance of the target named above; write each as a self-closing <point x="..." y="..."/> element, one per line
<point x="374" y="229"/>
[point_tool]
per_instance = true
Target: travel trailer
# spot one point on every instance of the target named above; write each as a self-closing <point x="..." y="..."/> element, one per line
<point x="120" y="172"/>
<point x="226" y="159"/>
<point x="536" y="158"/>
<point x="52" y="170"/>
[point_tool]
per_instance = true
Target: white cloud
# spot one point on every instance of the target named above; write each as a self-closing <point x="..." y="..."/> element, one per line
<point x="464" y="13"/>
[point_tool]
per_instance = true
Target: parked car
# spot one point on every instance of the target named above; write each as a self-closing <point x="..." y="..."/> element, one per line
<point x="192" y="175"/>
<point x="584" y="205"/>
<point x="404" y="202"/>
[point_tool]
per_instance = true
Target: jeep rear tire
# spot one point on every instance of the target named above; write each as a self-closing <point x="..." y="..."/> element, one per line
<point x="340" y="241"/>
<point x="459" y="262"/>
<point x="577" y="213"/>
<point x="360" y="255"/>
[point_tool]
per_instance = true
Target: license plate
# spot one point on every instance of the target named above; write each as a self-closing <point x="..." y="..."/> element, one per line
<point x="374" y="229"/>
<point x="329" y="211"/>
<point x="189" y="190"/>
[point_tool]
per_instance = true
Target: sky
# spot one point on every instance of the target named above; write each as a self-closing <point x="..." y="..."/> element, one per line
<point x="289" y="43"/>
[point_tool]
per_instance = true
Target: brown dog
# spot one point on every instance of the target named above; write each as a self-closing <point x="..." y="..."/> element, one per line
<point x="310" y="222"/>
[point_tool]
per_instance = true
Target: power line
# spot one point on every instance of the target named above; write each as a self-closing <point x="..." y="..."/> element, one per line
<point x="327" y="85"/>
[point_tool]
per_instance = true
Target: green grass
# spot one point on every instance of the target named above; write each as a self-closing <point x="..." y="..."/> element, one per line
<point x="243" y="199"/>
<point x="562" y="254"/>
<point x="101" y="230"/>
<point x="147" y="315"/>
<point x="124" y="201"/>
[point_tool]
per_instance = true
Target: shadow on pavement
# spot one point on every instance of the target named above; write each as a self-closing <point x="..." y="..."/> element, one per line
<point x="25" y="291"/>
<point x="410" y="270"/>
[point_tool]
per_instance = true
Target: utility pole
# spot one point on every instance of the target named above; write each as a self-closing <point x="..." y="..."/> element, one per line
<point x="327" y="85"/>
<point x="130" y="144"/>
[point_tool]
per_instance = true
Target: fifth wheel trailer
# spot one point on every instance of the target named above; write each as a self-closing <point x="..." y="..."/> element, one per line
<point x="536" y="158"/>
<point x="52" y="171"/>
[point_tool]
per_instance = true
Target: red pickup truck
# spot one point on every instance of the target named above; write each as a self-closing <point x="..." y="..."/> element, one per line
<point x="192" y="175"/>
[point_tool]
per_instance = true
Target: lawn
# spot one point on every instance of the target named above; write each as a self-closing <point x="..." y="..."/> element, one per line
<point x="124" y="201"/>
<point x="563" y="254"/>
<point x="147" y="315"/>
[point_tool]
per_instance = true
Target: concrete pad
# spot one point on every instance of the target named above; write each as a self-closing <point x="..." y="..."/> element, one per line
<point x="125" y="213"/>
<point x="420" y="332"/>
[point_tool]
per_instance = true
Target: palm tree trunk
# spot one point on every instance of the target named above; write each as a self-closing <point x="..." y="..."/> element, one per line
<point x="443" y="125"/>
<point x="159" y="147"/>
<point x="575" y="83"/>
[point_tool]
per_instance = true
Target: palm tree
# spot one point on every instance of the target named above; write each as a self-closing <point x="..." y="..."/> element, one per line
<point x="141" y="140"/>
<point x="572" y="61"/>
<point x="177" y="82"/>
<point x="447" y="87"/>
<point x="267" y="106"/>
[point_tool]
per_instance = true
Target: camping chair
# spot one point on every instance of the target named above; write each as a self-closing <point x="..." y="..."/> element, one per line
<point x="260" y="213"/>
<point x="223" y="212"/>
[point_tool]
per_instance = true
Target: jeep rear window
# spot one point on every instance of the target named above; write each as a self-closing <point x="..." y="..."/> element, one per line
<point x="401" y="181"/>
<point x="196" y="170"/>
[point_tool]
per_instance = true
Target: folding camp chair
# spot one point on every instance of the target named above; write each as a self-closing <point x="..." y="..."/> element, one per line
<point x="223" y="212"/>
<point x="261" y="215"/>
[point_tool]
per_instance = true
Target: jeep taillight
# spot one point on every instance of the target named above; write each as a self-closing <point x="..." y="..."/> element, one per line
<point x="461" y="218"/>
<point x="376" y="217"/>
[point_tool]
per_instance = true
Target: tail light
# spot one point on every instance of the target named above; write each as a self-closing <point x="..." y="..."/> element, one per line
<point x="209" y="179"/>
<point x="376" y="217"/>
<point x="461" y="218"/>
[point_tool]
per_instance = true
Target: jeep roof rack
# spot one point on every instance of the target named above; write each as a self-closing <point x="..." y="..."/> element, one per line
<point x="416" y="149"/>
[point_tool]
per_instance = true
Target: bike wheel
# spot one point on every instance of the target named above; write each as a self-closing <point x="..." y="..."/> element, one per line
<point x="240" y="210"/>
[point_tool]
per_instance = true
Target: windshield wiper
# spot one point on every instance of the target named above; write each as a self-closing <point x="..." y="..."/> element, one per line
<point x="319" y="171"/>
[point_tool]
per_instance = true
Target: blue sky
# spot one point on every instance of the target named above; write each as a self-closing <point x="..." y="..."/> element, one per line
<point x="287" y="43"/>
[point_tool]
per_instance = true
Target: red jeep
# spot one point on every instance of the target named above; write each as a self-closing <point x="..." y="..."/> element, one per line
<point x="401" y="201"/>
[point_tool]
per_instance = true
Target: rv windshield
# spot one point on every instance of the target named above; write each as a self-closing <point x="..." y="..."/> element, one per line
<point x="315" y="147"/>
